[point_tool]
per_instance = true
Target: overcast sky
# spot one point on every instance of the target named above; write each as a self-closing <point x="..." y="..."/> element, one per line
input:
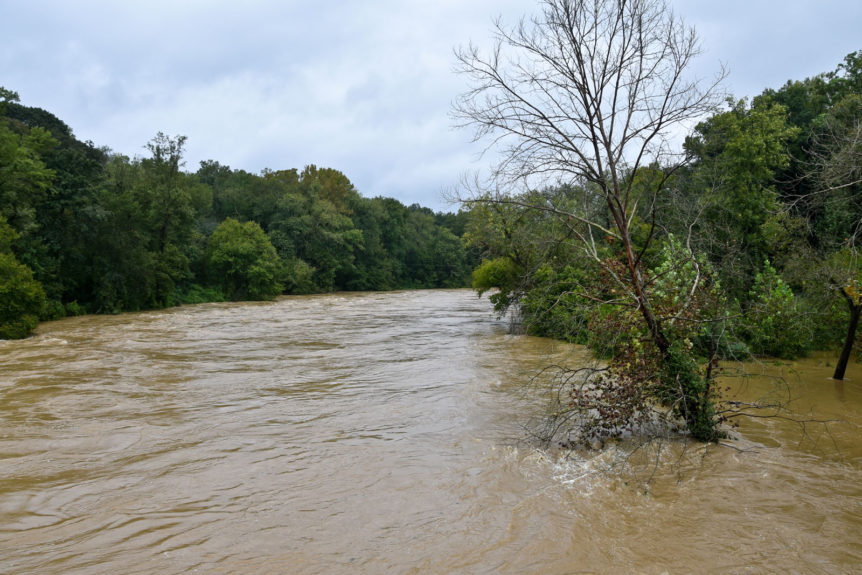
<point x="361" y="86"/>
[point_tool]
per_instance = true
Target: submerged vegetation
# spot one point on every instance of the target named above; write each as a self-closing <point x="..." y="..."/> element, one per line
<point x="591" y="229"/>
<point x="664" y="264"/>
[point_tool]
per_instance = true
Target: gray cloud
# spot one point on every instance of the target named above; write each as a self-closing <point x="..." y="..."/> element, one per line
<point x="364" y="87"/>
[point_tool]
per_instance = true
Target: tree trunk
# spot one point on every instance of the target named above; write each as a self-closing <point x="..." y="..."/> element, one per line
<point x="855" y="311"/>
<point x="637" y="283"/>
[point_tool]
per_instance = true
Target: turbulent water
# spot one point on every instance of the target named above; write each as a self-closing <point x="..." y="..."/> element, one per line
<point x="385" y="433"/>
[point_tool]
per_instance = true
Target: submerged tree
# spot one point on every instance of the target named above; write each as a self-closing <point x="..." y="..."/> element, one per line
<point x="589" y="94"/>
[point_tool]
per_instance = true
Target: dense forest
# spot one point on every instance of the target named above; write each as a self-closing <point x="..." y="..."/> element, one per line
<point x="84" y="230"/>
<point x="592" y="228"/>
<point x="769" y="201"/>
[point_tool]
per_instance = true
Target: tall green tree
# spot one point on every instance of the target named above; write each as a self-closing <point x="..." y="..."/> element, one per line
<point x="316" y="232"/>
<point x="242" y="261"/>
<point x="166" y="196"/>
<point x="120" y="256"/>
<point x="65" y="212"/>
<point x="736" y="156"/>
<point x="24" y="177"/>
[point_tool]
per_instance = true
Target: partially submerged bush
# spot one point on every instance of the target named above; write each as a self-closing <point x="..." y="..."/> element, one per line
<point x="21" y="298"/>
<point x="501" y="274"/>
<point x="645" y="388"/>
<point x="556" y="305"/>
<point x="773" y="324"/>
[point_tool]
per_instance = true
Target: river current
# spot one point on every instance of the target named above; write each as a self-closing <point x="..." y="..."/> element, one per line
<point x="387" y="433"/>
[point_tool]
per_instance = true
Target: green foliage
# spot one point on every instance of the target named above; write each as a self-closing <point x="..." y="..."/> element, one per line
<point x="677" y="277"/>
<point x="105" y="233"/>
<point x="298" y="277"/>
<point x="737" y="154"/>
<point x="773" y="325"/>
<point x="777" y="181"/>
<point x="169" y="268"/>
<point x="52" y="310"/>
<point x="314" y="229"/>
<point x="682" y="387"/>
<point x="24" y="177"/>
<point x="73" y="308"/>
<point x="7" y="236"/>
<point x="243" y="261"/>
<point x="829" y="326"/>
<point x="836" y="152"/>
<point x="833" y="283"/>
<point x="433" y="252"/>
<point x="689" y="298"/>
<point x="557" y="306"/>
<point x="581" y="299"/>
<point x="21" y="298"/>
<point x="523" y="252"/>
<point x="196" y="293"/>
<point x="501" y="274"/>
<point x="7" y="96"/>
<point x="614" y="330"/>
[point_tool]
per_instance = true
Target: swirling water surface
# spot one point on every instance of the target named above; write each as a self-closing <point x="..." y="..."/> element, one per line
<point x="384" y="433"/>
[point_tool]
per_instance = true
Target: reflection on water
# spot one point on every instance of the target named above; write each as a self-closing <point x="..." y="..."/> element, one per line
<point x="383" y="433"/>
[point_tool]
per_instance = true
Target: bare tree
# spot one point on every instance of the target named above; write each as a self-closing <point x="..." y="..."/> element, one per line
<point x="590" y="94"/>
<point x="589" y="91"/>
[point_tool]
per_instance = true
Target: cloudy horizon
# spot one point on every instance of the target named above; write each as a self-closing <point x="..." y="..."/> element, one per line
<point x="364" y="88"/>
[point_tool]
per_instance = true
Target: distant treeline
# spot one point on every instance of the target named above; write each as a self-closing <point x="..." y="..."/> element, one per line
<point x="84" y="230"/>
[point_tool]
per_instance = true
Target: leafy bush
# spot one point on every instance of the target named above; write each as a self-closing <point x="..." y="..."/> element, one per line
<point x="51" y="310"/>
<point x="773" y="325"/>
<point x="498" y="273"/>
<point x="73" y="308"/>
<point x="298" y="277"/>
<point x="242" y="260"/>
<point x="199" y="294"/>
<point x="21" y="298"/>
<point x="555" y="305"/>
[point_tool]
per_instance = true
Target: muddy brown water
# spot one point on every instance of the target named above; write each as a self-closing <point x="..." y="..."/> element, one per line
<point x="384" y="433"/>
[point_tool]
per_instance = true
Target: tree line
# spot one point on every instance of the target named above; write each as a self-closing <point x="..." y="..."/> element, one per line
<point x="756" y="200"/>
<point x="665" y="264"/>
<point x="85" y="230"/>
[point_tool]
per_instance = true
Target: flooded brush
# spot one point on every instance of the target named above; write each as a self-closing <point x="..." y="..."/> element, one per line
<point x="590" y="406"/>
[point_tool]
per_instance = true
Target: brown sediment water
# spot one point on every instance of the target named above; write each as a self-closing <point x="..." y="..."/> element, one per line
<point x="384" y="433"/>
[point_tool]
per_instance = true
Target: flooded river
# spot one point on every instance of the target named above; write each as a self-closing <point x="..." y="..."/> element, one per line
<point x="384" y="433"/>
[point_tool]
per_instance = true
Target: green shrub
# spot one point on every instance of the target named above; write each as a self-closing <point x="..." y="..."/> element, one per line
<point x="554" y="306"/>
<point x="73" y="309"/>
<point x="21" y="298"/>
<point x="53" y="309"/>
<point x="773" y="324"/>
<point x="200" y="294"/>
<point x="498" y="273"/>
<point x="298" y="277"/>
